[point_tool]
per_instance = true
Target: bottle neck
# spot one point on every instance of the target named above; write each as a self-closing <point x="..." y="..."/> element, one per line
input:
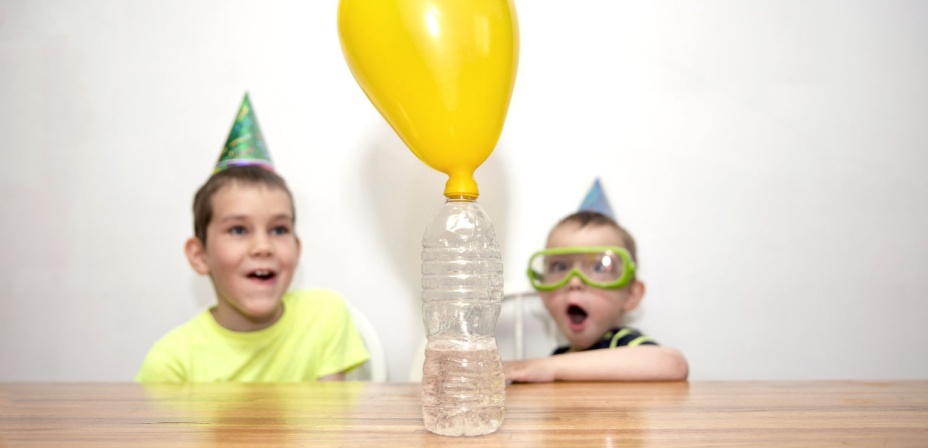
<point x="460" y="199"/>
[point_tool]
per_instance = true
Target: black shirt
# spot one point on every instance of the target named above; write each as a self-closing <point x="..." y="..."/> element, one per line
<point x="616" y="337"/>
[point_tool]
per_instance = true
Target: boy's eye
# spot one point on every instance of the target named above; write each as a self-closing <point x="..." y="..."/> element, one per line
<point x="280" y="230"/>
<point x="600" y="267"/>
<point x="237" y="230"/>
<point x="604" y="265"/>
<point x="557" y="266"/>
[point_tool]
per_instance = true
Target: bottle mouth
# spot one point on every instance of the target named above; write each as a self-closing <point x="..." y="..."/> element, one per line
<point x="461" y="198"/>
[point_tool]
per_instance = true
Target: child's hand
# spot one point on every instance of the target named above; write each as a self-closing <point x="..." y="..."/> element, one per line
<point x="540" y="370"/>
<point x="640" y="363"/>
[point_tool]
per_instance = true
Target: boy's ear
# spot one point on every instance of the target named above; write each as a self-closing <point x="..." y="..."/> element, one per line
<point x="196" y="255"/>
<point x="635" y="294"/>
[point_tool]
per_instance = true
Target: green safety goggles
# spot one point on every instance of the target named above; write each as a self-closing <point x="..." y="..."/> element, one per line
<point x="607" y="267"/>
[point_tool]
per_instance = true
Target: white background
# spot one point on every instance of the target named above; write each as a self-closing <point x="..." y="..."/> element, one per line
<point x="769" y="156"/>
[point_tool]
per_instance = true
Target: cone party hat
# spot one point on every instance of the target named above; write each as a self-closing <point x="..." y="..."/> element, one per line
<point x="596" y="201"/>
<point x="245" y="145"/>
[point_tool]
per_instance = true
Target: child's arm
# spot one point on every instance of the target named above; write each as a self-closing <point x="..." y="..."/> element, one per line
<point x="340" y="376"/>
<point x="639" y="363"/>
<point x="161" y="365"/>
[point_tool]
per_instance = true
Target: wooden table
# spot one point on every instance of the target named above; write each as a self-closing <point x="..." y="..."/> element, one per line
<point x="707" y="414"/>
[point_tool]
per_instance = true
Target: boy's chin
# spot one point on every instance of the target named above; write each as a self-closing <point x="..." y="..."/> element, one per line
<point x="579" y="344"/>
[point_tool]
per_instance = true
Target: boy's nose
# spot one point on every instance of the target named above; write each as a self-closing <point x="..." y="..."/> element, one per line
<point x="261" y="246"/>
<point x="575" y="282"/>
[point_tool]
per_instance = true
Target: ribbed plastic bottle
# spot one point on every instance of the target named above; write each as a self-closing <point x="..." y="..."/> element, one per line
<point x="463" y="387"/>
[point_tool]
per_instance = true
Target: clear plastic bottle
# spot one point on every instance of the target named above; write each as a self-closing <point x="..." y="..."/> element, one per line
<point x="463" y="387"/>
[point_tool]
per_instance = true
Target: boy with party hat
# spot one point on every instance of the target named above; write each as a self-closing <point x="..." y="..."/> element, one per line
<point x="245" y="241"/>
<point x="586" y="278"/>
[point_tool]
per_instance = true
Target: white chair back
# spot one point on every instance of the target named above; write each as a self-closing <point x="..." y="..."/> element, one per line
<point x="375" y="369"/>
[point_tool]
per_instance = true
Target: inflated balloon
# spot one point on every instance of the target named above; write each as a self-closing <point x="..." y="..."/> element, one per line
<point x="441" y="72"/>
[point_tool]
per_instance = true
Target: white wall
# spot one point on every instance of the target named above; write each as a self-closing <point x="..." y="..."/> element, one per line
<point x="769" y="156"/>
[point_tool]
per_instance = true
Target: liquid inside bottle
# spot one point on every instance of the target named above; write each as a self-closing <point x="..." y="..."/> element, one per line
<point x="463" y="387"/>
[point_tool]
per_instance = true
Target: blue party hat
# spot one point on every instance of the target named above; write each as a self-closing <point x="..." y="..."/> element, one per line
<point x="596" y="201"/>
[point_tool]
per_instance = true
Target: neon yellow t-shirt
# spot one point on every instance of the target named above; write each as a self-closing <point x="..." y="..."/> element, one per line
<point x="314" y="337"/>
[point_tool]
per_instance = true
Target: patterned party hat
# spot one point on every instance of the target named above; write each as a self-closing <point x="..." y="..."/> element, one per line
<point x="596" y="201"/>
<point x="245" y="145"/>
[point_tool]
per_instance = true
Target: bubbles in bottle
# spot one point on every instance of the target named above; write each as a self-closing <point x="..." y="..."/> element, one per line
<point x="463" y="390"/>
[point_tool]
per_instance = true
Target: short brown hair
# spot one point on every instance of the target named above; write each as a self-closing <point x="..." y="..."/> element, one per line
<point x="251" y="175"/>
<point x="585" y="218"/>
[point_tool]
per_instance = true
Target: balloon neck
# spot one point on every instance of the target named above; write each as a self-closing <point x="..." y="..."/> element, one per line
<point x="461" y="187"/>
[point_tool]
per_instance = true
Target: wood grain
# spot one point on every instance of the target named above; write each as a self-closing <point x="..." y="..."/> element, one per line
<point x="354" y="414"/>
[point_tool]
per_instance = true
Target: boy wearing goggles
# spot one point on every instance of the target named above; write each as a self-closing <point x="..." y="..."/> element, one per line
<point x="586" y="278"/>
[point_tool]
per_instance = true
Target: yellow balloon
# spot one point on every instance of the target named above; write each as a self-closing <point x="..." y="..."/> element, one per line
<point x="441" y="72"/>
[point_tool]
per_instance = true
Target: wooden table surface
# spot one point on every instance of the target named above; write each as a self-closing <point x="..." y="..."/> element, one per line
<point x="354" y="414"/>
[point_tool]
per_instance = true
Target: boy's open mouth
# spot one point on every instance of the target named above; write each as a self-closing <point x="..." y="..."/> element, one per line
<point x="576" y="314"/>
<point x="262" y="274"/>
